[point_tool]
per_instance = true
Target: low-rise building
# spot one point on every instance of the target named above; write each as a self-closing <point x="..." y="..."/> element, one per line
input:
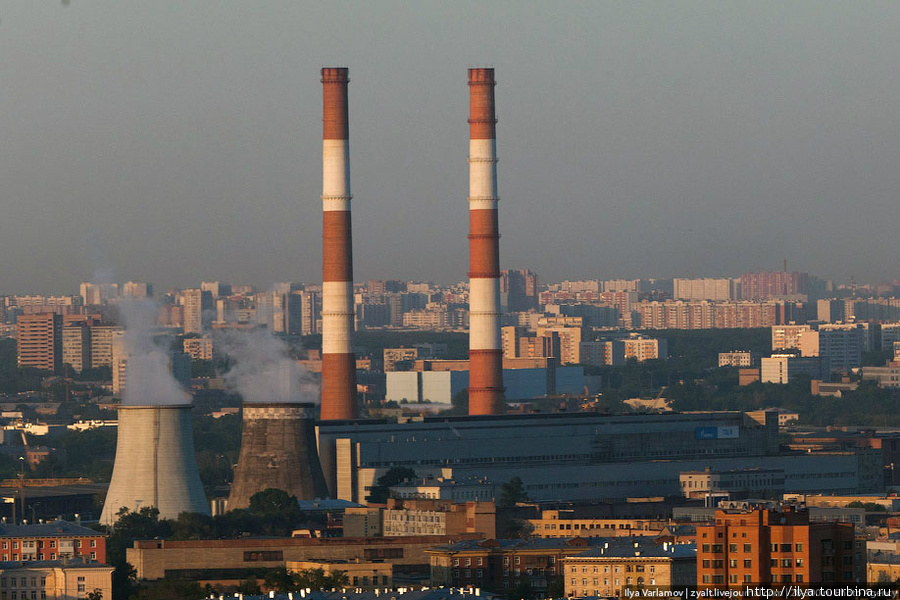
<point x="566" y="524"/>
<point x="54" y="580"/>
<point x="439" y="517"/>
<point x="501" y="565"/>
<point x="733" y="483"/>
<point x="56" y="540"/>
<point x="633" y="563"/>
<point x="237" y="559"/>
<point x="738" y="358"/>
<point x="366" y="575"/>
<point x="887" y="376"/>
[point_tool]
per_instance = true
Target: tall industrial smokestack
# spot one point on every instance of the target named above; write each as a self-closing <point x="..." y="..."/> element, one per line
<point x="278" y="450"/>
<point x="485" y="350"/>
<point x="338" y="361"/>
<point x="155" y="463"/>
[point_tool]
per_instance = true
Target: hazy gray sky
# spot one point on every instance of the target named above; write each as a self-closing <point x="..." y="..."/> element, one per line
<point x="172" y="141"/>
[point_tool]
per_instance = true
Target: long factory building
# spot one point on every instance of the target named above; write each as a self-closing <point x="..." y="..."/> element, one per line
<point x="583" y="456"/>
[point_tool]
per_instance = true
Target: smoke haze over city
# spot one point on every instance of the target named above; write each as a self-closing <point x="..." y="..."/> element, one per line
<point x="172" y="142"/>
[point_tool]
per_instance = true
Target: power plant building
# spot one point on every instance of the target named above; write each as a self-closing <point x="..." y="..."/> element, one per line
<point x="583" y="456"/>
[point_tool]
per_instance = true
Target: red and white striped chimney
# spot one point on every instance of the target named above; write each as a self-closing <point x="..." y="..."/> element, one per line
<point x="338" y="361"/>
<point x="485" y="350"/>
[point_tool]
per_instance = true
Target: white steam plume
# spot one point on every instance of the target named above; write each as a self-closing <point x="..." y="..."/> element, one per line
<point x="148" y="378"/>
<point x="262" y="370"/>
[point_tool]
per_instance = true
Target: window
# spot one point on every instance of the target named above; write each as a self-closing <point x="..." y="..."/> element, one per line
<point x="705" y="563"/>
<point x="479" y="573"/>
<point x="799" y="562"/>
<point x="748" y="563"/>
<point x="798" y="547"/>
<point x="93" y="543"/>
<point x="480" y="561"/>
<point x="53" y="543"/>
<point x="468" y="562"/>
<point x="705" y="547"/>
<point x="455" y="562"/>
<point x="732" y="578"/>
<point x="706" y="579"/>
<point x="799" y="578"/>
<point x="732" y="547"/>
<point x="747" y="578"/>
<point x="733" y="565"/>
<point x="785" y="547"/>
<point x="748" y="548"/>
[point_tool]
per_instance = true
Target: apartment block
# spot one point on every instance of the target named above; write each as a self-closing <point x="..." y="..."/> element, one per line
<point x="634" y="563"/>
<point x="769" y="546"/>
<point x="199" y="348"/>
<point x="76" y="346"/>
<point x="39" y="341"/>
<point x="738" y="358"/>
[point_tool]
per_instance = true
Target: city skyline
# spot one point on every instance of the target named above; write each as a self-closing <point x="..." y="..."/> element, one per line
<point x="170" y="143"/>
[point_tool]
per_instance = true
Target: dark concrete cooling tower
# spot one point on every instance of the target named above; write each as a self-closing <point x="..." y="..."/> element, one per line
<point x="278" y="450"/>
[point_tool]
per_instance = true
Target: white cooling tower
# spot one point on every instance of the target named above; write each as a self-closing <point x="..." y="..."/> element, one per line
<point x="155" y="463"/>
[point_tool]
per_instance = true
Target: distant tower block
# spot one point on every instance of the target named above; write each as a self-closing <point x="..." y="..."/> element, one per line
<point x="485" y="348"/>
<point x="278" y="450"/>
<point x="155" y="463"/>
<point x="338" y="361"/>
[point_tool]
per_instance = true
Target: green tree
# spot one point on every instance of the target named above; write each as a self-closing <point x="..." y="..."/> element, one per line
<point x="380" y="491"/>
<point x="169" y="589"/>
<point x="277" y="511"/>
<point x="511" y="492"/>
<point x="522" y="591"/>
<point x="459" y="404"/>
<point x="249" y="587"/>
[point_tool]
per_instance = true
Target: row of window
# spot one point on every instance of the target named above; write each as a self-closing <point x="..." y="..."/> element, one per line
<point x="5" y="544"/>
<point x="617" y="582"/>
<point x="732" y="548"/>
<point x="40" y="556"/>
<point x="23" y="595"/>
<point x="628" y="569"/>
<point x="22" y="581"/>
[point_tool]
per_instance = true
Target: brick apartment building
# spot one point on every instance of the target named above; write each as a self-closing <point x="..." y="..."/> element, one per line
<point x="766" y="546"/>
<point x="56" y="540"/>
<point x="501" y="565"/>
